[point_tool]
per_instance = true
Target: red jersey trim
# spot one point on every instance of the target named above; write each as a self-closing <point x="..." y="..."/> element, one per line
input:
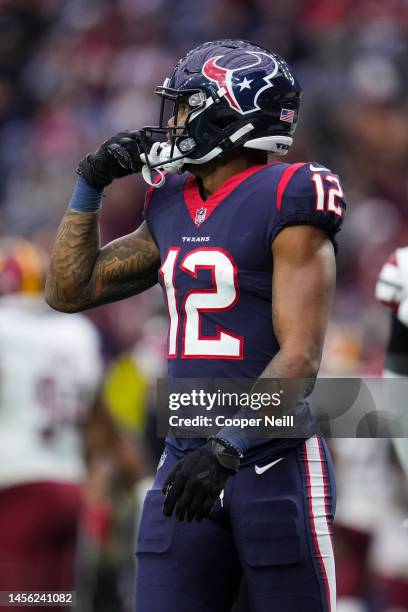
<point x="284" y="180"/>
<point x="194" y="201"/>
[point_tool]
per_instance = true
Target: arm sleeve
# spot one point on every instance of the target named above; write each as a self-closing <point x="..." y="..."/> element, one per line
<point x="308" y="194"/>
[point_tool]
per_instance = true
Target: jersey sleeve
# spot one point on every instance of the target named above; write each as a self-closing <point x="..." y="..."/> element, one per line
<point x="392" y="284"/>
<point x="308" y="194"/>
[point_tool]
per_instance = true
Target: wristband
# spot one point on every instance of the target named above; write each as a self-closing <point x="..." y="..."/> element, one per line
<point x="227" y="445"/>
<point x="226" y="456"/>
<point x="86" y="198"/>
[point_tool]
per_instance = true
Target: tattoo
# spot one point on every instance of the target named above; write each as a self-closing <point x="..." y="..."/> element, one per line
<point x="125" y="267"/>
<point x="82" y="275"/>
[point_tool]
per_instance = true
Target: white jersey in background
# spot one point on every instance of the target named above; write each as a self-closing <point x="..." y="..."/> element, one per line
<point x="392" y="290"/>
<point x="50" y="370"/>
<point x="392" y="284"/>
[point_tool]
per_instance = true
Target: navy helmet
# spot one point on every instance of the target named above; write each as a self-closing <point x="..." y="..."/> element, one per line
<point x="237" y="94"/>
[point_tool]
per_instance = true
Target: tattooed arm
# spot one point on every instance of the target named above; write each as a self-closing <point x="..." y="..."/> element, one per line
<point x="83" y="275"/>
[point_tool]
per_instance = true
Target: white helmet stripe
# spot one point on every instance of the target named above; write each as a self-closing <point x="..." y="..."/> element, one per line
<point x="241" y="132"/>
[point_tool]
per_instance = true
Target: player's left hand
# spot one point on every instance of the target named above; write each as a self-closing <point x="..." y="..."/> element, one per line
<point x="198" y="479"/>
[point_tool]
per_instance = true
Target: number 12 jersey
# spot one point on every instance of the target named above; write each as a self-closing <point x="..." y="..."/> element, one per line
<point x="217" y="263"/>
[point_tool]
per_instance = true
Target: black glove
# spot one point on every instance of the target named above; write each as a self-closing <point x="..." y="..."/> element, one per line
<point x="116" y="157"/>
<point x="198" y="479"/>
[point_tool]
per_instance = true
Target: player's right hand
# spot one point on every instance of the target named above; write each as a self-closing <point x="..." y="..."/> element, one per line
<point x="116" y="157"/>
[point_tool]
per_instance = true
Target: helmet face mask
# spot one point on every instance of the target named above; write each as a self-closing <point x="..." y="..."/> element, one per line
<point x="237" y="94"/>
<point x="177" y="136"/>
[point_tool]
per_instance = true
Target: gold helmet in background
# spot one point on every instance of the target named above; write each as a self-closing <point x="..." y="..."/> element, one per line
<point x="23" y="266"/>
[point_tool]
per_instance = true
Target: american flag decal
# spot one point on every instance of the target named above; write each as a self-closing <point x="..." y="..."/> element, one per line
<point x="287" y="115"/>
<point x="200" y="216"/>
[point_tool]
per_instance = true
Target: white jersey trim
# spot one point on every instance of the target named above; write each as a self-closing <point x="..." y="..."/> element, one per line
<point x="318" y="507"/>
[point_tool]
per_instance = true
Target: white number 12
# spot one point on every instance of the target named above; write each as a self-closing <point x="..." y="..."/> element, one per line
<point x="222" y="295"/>
<point x="333" y="193"/>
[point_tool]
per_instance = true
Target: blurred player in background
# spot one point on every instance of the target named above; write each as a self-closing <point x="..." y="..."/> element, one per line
<point x="372" y="555"/>
<point x="392" y="291"/>
<point x="212" y="237"/>
<point x="50" y="421"/>
<point x="371" y="546"/>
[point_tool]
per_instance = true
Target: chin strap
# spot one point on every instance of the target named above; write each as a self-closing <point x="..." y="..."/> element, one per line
<point x="159" y="154"/>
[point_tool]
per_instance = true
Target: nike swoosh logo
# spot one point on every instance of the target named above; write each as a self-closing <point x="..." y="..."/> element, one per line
<point x="263" y="468"/>
<point x="318" y="168"/>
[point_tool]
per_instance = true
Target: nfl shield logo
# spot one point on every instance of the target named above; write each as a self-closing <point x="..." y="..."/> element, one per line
<point x="200" y="216"/>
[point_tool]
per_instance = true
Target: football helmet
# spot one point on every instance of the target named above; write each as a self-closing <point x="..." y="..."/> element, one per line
<point x="233" y="94"/>
<point x="23" y="266"/>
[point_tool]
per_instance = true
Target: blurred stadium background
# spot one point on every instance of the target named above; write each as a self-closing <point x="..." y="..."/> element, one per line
<point x="73" y="72"/>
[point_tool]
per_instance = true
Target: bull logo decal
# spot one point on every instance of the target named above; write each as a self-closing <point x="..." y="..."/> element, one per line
<point x="242" y="86"/>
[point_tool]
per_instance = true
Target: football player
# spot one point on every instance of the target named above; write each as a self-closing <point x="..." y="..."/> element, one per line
<point x="50" y="371"/>
<point x="372" y="551"/>
<point x="245" y="253"/>
<point x="392" y="291"/>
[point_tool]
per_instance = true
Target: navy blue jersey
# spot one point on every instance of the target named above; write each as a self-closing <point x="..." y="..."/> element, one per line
<point x="217" y="265"/>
